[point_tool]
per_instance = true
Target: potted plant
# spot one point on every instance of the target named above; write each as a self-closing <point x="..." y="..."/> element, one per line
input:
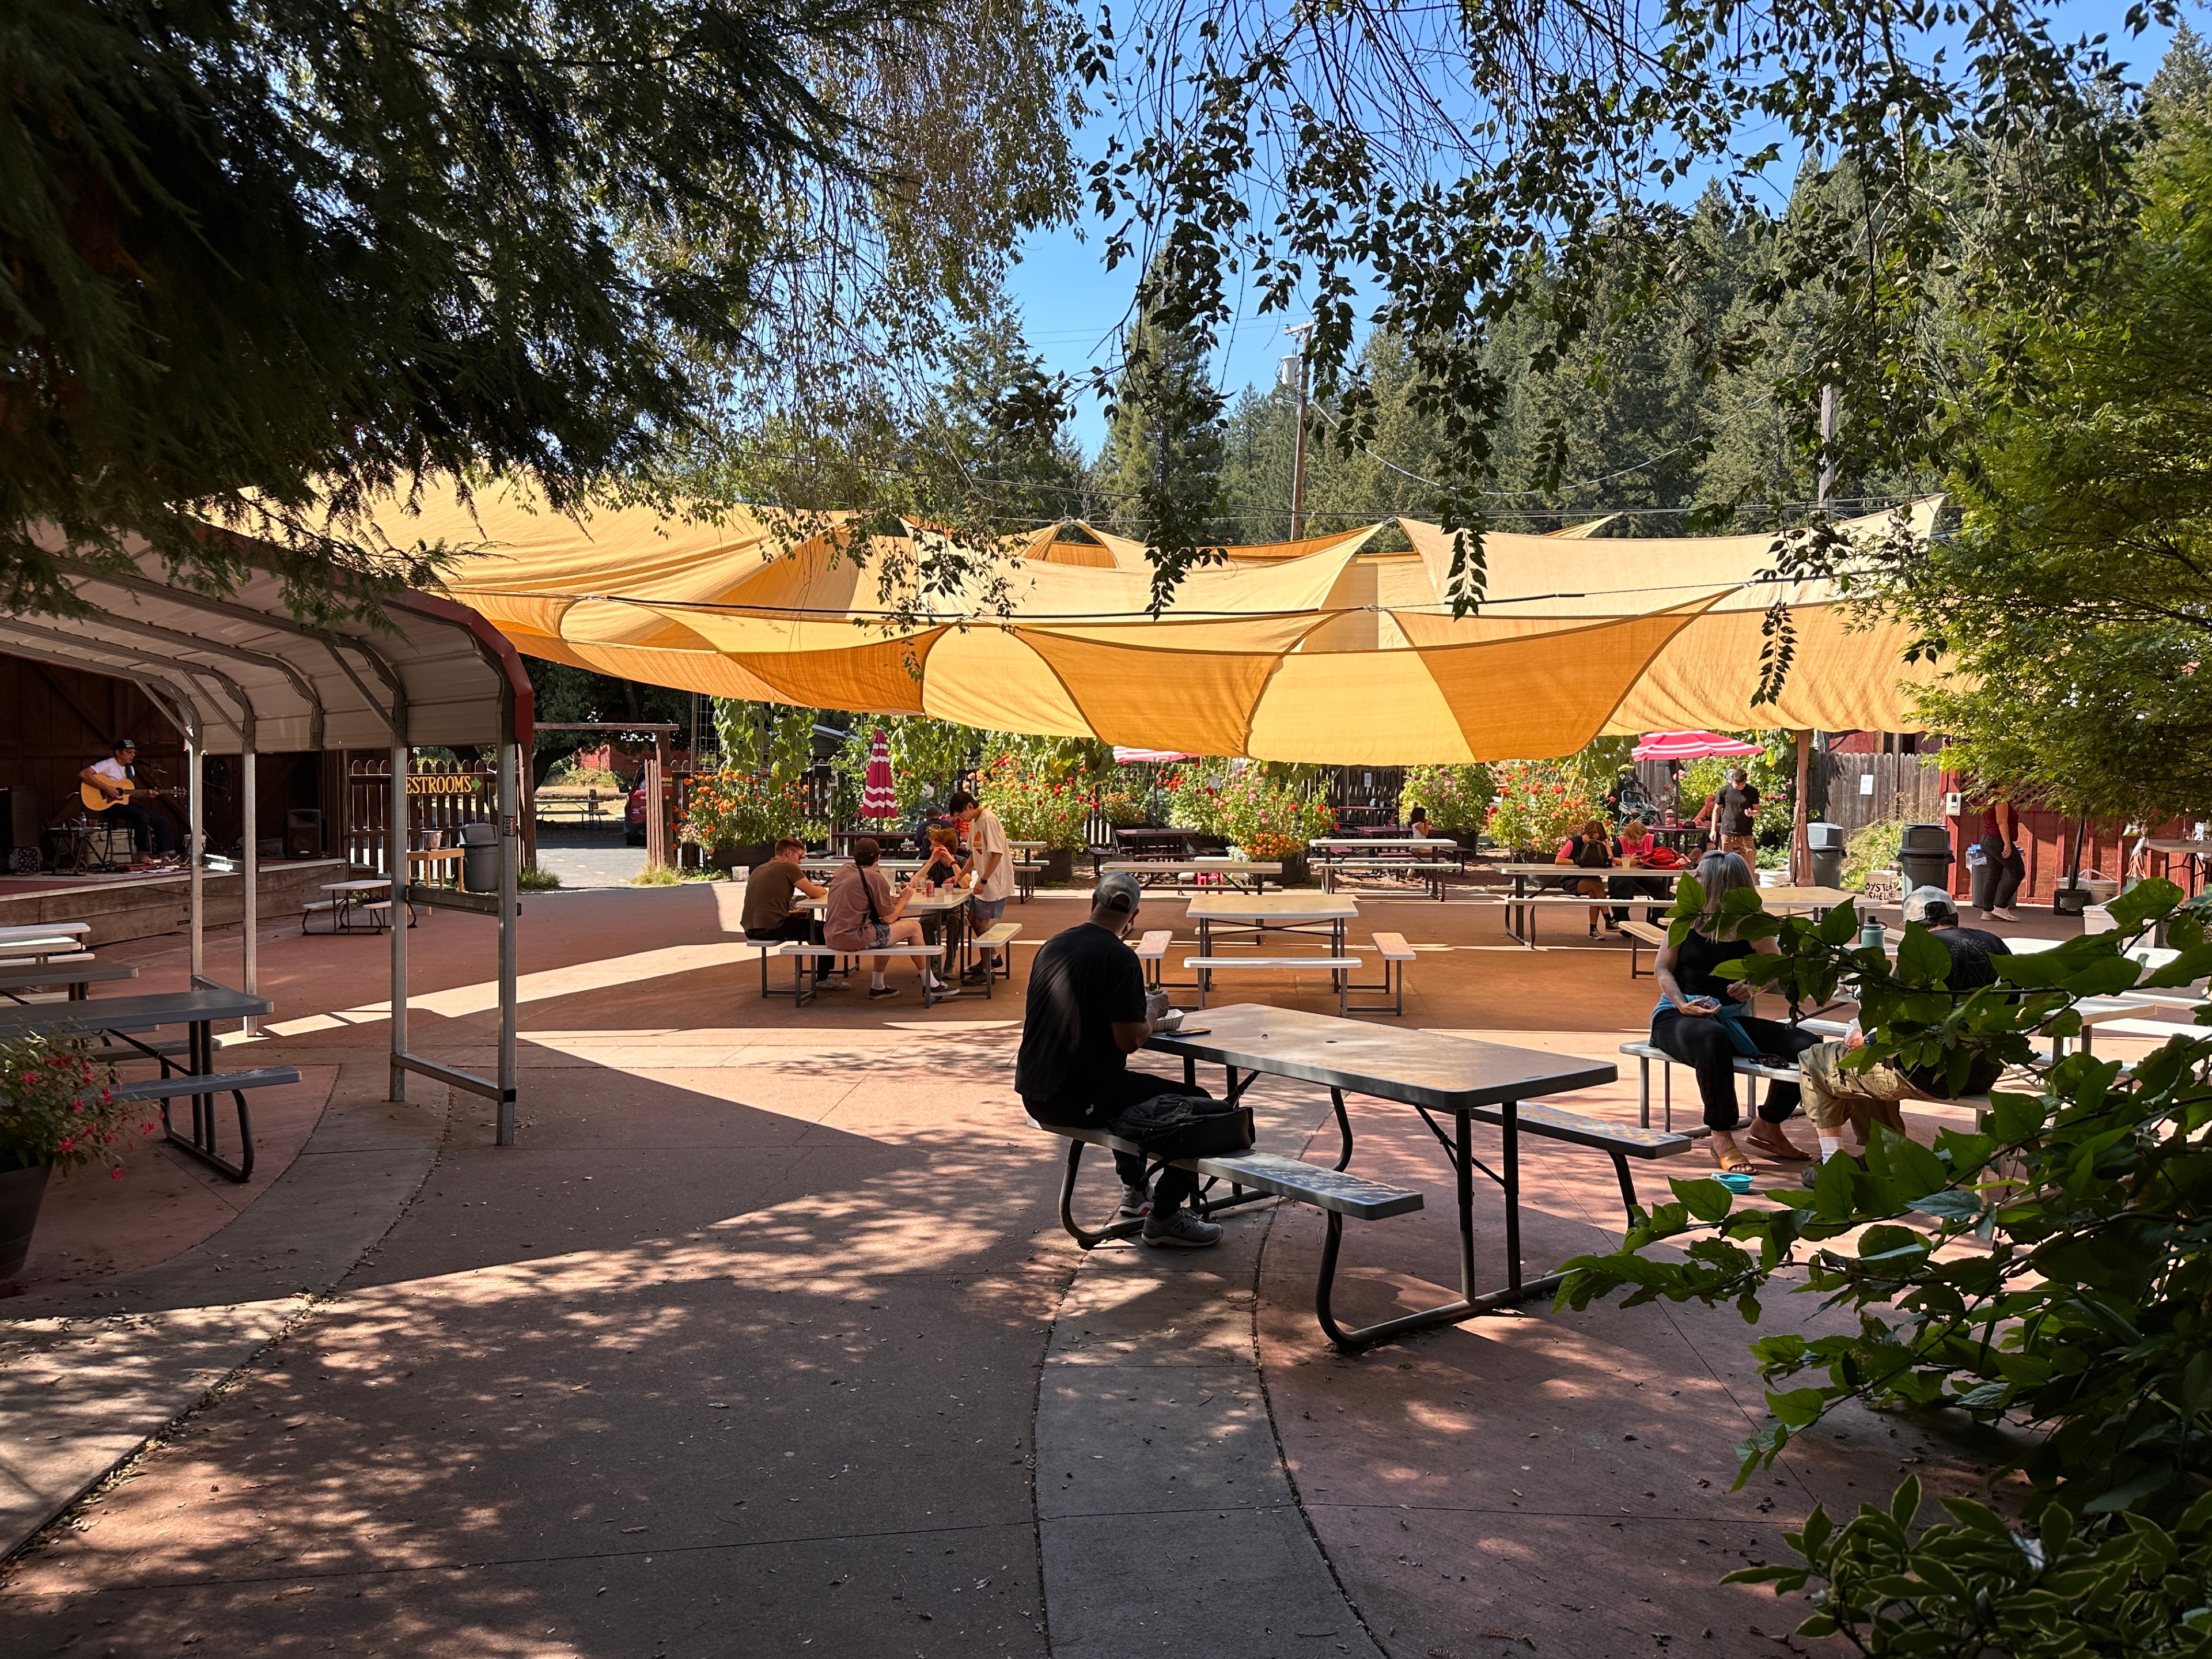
<point x="57" y="1111"/>
<point x="739" y="817"/>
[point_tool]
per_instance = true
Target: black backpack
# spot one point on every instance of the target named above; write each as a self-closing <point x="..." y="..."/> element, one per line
<point x="1187" y="1126"/>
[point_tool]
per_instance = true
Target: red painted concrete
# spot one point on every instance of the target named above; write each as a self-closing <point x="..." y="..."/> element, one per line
<point x="738" y="1351"/>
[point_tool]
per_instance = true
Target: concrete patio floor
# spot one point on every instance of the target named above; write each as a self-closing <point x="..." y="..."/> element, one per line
<point x="766" y="1339"/>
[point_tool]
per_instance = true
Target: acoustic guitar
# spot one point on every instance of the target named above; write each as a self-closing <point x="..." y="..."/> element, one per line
<point x="96" y="801"/>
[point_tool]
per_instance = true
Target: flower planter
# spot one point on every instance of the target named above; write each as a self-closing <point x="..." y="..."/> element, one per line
<point x="21" y="1192"/>
<point x="743" y="856"/>
<point x="1296" y="872"/>
<point x="1059" y="864"/>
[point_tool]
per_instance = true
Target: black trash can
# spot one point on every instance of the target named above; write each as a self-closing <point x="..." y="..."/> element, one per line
<point x="1925" y="859"/>
<point x="1826" y="843"/>
<point x="480" y="857"/>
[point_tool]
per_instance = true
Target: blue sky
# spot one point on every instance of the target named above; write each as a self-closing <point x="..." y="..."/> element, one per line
<point x="1073" y="307"/>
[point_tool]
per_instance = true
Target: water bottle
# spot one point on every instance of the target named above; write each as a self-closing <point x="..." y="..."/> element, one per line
<point x="1870" y="938"/>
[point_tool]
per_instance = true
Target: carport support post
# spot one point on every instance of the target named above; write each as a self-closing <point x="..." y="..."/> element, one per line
<point x="1801" y="850"/>
<point x="249" y="805"/>
<point x="195" y="781"/>
<point x="656" y="824"/>
<point x="510" y="866"/>
<point x="395" y="866"/>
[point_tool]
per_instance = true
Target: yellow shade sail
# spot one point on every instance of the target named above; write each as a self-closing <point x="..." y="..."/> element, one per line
<point x="1316" y="650"/>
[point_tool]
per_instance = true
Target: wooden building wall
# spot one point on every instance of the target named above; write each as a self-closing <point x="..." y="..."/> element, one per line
<point x="55" y="721"/>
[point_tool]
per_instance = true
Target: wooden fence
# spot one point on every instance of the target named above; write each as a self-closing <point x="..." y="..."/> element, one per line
<point x="441" y="797"/>
<point x="1865" y="789"/>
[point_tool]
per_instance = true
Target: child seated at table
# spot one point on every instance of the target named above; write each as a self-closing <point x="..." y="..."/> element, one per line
<point x="943" y="866"/>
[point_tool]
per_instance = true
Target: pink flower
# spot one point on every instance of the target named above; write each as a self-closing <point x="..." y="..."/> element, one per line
<point x="115" y="1174"/>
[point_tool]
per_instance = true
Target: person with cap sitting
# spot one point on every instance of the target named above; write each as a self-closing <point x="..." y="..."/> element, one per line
<point x="115" y="781"/>
<point x="1087" y="1013"/>
<point x="1834" y="1096"/>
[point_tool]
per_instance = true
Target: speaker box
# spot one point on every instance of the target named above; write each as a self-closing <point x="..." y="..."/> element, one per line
<point x="303" y="833"/>
<point x="21" y="821"/>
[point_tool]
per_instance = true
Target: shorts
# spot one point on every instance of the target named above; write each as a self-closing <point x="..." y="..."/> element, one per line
<point x="987" y="910"/>
<point x="1746" y="845"/>
<point x="879" y="935"/>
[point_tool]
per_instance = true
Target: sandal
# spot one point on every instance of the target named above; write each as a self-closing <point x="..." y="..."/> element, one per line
<point x="1780" y="1147"/>
<point x="1731" y="1163"/>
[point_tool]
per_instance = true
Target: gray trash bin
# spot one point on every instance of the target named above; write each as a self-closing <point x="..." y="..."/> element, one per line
<point x="480" y="857"/>
<point x="1826" y="843"/>
<point x="1924" y="859"/>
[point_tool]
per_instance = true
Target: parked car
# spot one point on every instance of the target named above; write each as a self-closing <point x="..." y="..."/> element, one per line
<point x="634" y="818"/>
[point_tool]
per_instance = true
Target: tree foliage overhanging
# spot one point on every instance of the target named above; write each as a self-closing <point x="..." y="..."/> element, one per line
<point x="1508" y="168"/>
<point x="266" y="258"/>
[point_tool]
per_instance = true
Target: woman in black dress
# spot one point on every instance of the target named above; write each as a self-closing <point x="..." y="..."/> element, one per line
<point x="1691" y="1023"/>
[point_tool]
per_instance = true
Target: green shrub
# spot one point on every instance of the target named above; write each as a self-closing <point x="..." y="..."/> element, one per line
<point x="1872" y="848"/>
<point x="2048" y="1270"/>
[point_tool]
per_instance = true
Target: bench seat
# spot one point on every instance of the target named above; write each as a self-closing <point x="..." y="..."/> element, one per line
<point x="1642" y="935"/>
<point x="1745" y="1065"/>
<point x="200" y="1089"/>
<point x="1341" y="968"/>
<point x="1395" y="954"/>
<point x="998" y="938"/>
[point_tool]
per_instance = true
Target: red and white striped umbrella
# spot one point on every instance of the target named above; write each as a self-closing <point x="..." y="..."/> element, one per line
<point x="1690" y="745"/>
<point x="878" y="798"/>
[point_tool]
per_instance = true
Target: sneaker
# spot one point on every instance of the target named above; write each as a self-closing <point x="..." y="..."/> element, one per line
<point x="975" y="976"/>
<point x="1136" y="1200"/>
<point x="1813" y="1170"/>
<point x="878" y="993"/>
<point x="1180" y="1230"/>
<point x="940" y="991"/>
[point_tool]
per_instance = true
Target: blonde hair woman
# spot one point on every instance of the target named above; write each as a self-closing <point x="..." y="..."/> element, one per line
<point x="1705" y="1021"/>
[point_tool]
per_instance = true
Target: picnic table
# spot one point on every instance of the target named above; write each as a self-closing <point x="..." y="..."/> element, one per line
<point x="1149" y="844"/>
<point x="2196" y="852"/>
<point x="42" y="930"/>
<point x="813" y="866"/>
<point x="38" y="947"/>
<point x="1521" y="907"/>
<point x="350" y="899"/>
<point x="1261" y="914"/>
<point x="197" y="1010"/>
<point x="1453" y="1077"/>
<point x="76" y="976"/>
<point x="1251" y="873"/>
<point x="1425" y="858"/>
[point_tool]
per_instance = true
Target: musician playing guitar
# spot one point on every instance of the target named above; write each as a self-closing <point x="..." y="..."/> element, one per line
<point x="113" y="781"/>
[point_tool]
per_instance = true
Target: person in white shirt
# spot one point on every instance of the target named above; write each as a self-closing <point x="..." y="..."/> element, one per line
<point x="992" y="862"/>
<point x="150" y="836"/>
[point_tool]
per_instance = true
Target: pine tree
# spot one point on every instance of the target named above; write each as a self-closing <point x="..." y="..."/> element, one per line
<point x="1161" y="468"/>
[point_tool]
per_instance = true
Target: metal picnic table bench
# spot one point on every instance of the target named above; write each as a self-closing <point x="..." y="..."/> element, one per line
<point x="197" y="1010"/>
<point x="1428" y="859"/>
<point x="1452" y="1078"/>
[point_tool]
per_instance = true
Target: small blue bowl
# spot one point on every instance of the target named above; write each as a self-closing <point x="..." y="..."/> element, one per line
<point x="1736" y="1181"/>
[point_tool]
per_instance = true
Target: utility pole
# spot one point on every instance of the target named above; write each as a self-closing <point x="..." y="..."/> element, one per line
<point x="1294" y="373"/>
<point x="1827" y="448"/>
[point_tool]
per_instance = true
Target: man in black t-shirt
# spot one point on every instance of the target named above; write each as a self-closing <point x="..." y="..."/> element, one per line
<point x="1087" y="1013"/>
<point x="1733" y="814"/>
<point x="1834" y="1096"/>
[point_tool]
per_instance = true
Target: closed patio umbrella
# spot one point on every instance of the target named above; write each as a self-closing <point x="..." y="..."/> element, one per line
<point x="878" y="798"/>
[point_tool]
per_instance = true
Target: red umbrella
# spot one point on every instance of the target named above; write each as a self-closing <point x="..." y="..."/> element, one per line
<point x="1690" y="745"/>
<point x="878" y="798"/>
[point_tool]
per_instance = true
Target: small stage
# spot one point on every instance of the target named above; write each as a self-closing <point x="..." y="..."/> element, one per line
<point x="124" y="906"/>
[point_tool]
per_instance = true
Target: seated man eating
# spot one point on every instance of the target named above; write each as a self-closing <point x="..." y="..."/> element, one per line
<point x="1835" y="1095"/>
<point x="1087" y="1013"/>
